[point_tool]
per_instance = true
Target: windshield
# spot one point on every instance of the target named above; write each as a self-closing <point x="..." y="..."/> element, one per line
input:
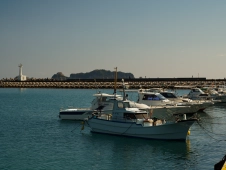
<point x="169" y="95"/>
<point x="153" y="97"/>
<point x="123" y="104"/>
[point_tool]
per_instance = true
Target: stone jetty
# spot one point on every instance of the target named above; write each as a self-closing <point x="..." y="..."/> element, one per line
<point x="132" y="84"/>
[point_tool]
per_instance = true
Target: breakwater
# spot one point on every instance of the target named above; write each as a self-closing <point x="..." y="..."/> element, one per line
<point x="110" y="84"/>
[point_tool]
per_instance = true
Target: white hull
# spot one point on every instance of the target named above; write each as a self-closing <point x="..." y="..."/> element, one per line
<point x="194" y="107"/>
<point x="168" y="131"/>
<point x="167" y="112"/>
<point x="75" y="115"/>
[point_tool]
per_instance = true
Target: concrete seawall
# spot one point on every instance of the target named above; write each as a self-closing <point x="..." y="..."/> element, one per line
<point x="108" y="85"/>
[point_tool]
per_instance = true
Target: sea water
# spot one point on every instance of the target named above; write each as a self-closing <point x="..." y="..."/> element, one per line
<point x="32" y="137"/>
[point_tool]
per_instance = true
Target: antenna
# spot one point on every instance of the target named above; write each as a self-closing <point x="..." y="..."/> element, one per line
<point x="123" y="87"/>
<point x="96" y="85"/>
<point x="115" y="80"/>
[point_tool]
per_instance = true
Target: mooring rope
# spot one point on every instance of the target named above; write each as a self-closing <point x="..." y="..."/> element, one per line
<point x="207" y="132"/>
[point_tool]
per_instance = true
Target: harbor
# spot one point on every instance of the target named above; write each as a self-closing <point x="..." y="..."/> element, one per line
<point x="112" y="85"/>
<point x="33" y="137"/>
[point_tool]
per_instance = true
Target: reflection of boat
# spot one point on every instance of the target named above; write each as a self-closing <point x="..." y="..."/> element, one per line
<point x="118" y="145"/>
<point x="133" y="122"/>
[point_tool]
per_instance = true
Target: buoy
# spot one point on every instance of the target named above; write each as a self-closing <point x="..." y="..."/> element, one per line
<point x="189" y="132"/>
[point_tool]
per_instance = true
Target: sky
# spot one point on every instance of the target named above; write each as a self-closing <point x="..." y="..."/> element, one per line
<point x="148" y="38"/>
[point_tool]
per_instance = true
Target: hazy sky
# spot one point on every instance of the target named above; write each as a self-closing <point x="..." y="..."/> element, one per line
<point x="152" y="38"/>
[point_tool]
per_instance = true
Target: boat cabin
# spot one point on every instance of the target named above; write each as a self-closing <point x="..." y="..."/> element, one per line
<point x="197" y="94"/>
<point x="151" y="98"/>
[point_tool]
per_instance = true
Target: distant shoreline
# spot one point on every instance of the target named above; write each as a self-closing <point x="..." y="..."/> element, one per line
<point x="109" y="84"/>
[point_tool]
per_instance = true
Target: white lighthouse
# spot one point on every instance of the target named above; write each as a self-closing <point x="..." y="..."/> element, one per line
<point x="21" y="77"/>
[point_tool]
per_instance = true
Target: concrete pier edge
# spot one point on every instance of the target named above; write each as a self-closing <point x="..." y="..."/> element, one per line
<point x="110" y="84"/>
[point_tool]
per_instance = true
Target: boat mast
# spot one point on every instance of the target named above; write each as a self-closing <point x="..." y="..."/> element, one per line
<point x="123" y="88"/>
<point x="115" y="80"/>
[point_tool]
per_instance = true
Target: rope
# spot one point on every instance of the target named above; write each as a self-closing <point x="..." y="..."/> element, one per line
<point x="207" y="132"/>
<point x="127" y="128"/>
<point x="75" y="128"/>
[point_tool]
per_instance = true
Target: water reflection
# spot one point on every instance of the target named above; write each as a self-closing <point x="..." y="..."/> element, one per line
<point x="22" y="89"/>
<point x="134" y="152"/>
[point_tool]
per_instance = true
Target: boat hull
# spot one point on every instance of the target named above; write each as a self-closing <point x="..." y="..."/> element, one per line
<point x="75" y="115"/>
<point x="168" y="131"/>
<point x="168" y="112"/>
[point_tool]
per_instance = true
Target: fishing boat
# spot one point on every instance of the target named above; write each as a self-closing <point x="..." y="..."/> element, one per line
<point x="99" y="103"/>
<point x="127" y="121"/>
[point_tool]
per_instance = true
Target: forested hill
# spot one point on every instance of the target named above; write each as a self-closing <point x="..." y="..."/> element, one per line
<point x="95" y="74"/>
<point x="101" y="74"/>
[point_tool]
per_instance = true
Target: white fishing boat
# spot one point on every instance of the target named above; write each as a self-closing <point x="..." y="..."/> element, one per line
<point x="74" y="113"/>
<point x="163" y="109"/>
<point x="99" y="103"/>
<point x="133" y="122"/>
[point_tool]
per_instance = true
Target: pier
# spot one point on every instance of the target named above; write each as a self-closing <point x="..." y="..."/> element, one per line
<point x="109" y="84"/>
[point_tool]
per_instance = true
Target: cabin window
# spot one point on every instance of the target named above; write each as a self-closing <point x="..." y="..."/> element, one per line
<point x="104" y="99"/>
<point x="123" y="105"/>
<point x="141" y="115"/>
<point x="168" y="95"/>
<point x="129" y="116"/>
<point x="120" y="105"/>
<point x="203" y="95"/>
<point x="152" y="97"/>
<point x="195" y="90"/>
<point x="126" y="105"/>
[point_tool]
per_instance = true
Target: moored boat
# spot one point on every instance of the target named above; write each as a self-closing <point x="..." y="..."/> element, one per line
<point x="153" y="98"/>
<point x="199" y="94"/>
<point x="133" y="122"/>
<point x="99" y="103"/>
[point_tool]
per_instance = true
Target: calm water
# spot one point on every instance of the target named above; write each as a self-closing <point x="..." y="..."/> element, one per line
<point x="32" y="137"/>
